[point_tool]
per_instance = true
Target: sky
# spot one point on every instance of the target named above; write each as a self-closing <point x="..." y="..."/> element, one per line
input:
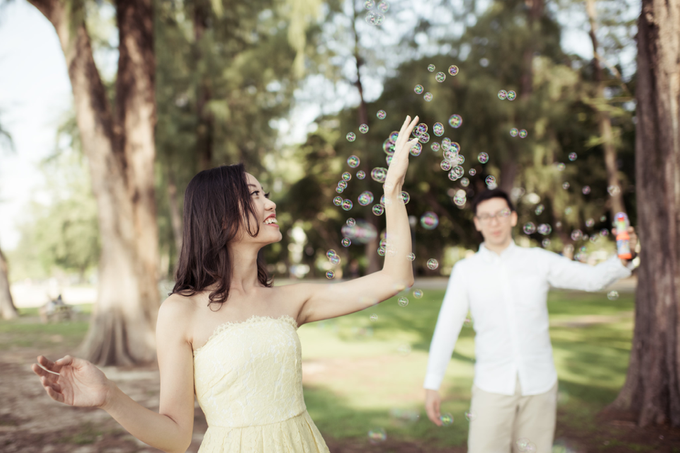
<point x="35" y="94"/>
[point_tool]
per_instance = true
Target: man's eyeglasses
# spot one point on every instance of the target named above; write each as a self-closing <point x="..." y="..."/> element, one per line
<point x="500" y="215"/>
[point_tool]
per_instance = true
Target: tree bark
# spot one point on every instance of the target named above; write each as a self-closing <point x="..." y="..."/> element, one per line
<point x="120" y="155"/>
<point x="7" y="308"/>
<point x="652" y="389"/>
<point x="604" y="121"/>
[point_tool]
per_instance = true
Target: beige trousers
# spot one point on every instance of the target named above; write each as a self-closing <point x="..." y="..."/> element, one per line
<point x="501" y="420"/>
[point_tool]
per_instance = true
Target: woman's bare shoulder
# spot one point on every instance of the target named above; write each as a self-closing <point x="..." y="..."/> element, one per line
<point x="179" y="311"/>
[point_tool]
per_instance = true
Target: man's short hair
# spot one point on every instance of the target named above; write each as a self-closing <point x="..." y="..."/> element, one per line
<point x="488" y="195"/>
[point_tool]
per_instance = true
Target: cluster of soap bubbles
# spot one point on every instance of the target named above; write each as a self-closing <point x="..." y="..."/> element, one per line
<point x="509" y="95"/>
<point x="376" y="17"/>
<point x="522" y="133"/>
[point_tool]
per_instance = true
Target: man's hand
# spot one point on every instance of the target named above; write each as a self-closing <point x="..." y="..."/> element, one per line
<point x="632" y="241"/>
<point x="432" y="403"/>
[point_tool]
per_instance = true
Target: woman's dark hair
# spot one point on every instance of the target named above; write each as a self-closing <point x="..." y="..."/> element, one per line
<point x="217" y="205"/>
<point x="489" y="194"/>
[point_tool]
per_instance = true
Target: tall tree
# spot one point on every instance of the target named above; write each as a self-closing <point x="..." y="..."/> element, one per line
<point x="652" y="388"/>
<point x="7" y="308"/>
<point x="604" y="121"/>
<point x="119" y="145"/>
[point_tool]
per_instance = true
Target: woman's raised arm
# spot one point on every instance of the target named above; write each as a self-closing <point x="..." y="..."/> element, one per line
<point x="323" y="301"/>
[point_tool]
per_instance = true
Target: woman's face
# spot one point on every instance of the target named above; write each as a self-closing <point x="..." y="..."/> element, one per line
<point x="265" y="211"/>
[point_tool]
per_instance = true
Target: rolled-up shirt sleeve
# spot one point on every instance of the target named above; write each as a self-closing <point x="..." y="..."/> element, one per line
<point x="451" y="317"/>
<point x="567" y="274"/>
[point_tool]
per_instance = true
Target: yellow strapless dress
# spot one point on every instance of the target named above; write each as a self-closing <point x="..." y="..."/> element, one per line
<point x="248" y="379"/>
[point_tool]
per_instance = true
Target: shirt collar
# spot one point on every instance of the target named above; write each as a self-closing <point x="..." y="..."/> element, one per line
<point x="490" y="256"/>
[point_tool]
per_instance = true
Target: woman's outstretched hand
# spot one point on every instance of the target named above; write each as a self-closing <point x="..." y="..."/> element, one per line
<point x="78" y="382"/>
<point x="397" y="169"/>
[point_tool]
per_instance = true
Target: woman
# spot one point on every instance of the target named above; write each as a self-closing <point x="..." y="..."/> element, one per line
<point x="227" y="335"/>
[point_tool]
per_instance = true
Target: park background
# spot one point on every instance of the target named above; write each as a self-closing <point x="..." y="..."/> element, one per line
<point x="279" y="85"/>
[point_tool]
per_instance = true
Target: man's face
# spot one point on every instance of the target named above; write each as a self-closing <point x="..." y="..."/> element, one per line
<point x="495" y="221"/>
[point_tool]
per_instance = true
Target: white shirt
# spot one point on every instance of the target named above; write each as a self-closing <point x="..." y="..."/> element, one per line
<point x="507" y="296"/>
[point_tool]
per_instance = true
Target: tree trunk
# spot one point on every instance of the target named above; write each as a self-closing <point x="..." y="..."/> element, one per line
<point x="204" y="128"/>
<point x="175" y="215"/>
<point x="7" y="308"/>
<point x="604" y="121"/>
<point x="652" y="389"/>
<point x="120" y="155"/>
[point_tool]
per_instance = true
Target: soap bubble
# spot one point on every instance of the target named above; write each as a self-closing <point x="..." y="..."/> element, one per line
<point x="405" y="197"/>
<point x="366" y="198"/>
<point x="435" y="146"/>
<point x="453" y="70"/>
<point x="363" y="128"/>
<point x="375" y="18"/>
<point x="432" y="264"/>
<point x="456" y="173"/>
<point x="561" y="166"/>
<point x="470" y="416"/>
<point x="373" y="317"/>
<point x="511" y="95"/>
<point x="613" y="190"/>
<point x="369" y="4"/>
<point x="418" y="293"/>
<point x="565" y="185"/>
<point x="353" y="161"/>
<point x="502" y="95"/>
<point x="351" y="136"/>
<point x="446" y="419"/>
<point x="429" y="220"/>
<point x="346" y="242"/>
<point x="522" y="133"/>
<point x="351" y="221"/>
<point x="411" y="256"/>
<point x="491" y="182"/>
<point x="420" y="129"/>
<point x="416" y="149"/>
<point x="545" y="242"/>
<point x="431" y="67"/>
<point x="446" y="165"/>
<point x="381" y="114"/>
<point x="612" y="295"/>
<point x="403" y="301"/>
<point x="455" y="121"/>
<point x="585" y="190"/>
<point x="418" y="89"/>
<point x="378" y="209"/>
<point x="376" y="435"/>
<point x="361" y="174"/>
<point x="460" y="198"/>
<point x="440" y="77"/>
<point x="576" y="235"/>
<point x="438" y="129"/>
<point x="522" y="443"/>
<point x="383" y="6"/>
<point x="604" y="232"/>
<point x="337" y="201"/>
<point x="347" y="204"/>
<point x="464" y="182"/>
<point x="428" y="97"/>
<point x="514" y="132"/>
<point x="572" y="156"/>
<point x="590" y="223"/>
<point x="483" y="158"/>
<point x="379" y="174"/>
<point x="529" y="228"/>
<point x="539" y="209"/>
<point x="472" y="172"/>
<point x="342" y="184"/>
<point x="381" y="251"/>
<point x="544" y="229"/>
<point x="330" y="274"/>
<point x="424" y="138"/>
<point x="346" y="176"/>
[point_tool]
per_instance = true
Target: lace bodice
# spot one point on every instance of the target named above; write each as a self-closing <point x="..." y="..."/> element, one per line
<point x="249" y="373"/>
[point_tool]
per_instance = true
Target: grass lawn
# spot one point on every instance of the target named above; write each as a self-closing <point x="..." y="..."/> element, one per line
<point x="369" y="374"/>
<point x="362" y="374"/>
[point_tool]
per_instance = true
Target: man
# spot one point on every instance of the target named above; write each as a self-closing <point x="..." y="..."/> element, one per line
<point x="514" y="396"/>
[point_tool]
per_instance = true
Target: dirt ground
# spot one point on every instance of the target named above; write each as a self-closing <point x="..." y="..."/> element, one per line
<point x="30" y="422"/>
